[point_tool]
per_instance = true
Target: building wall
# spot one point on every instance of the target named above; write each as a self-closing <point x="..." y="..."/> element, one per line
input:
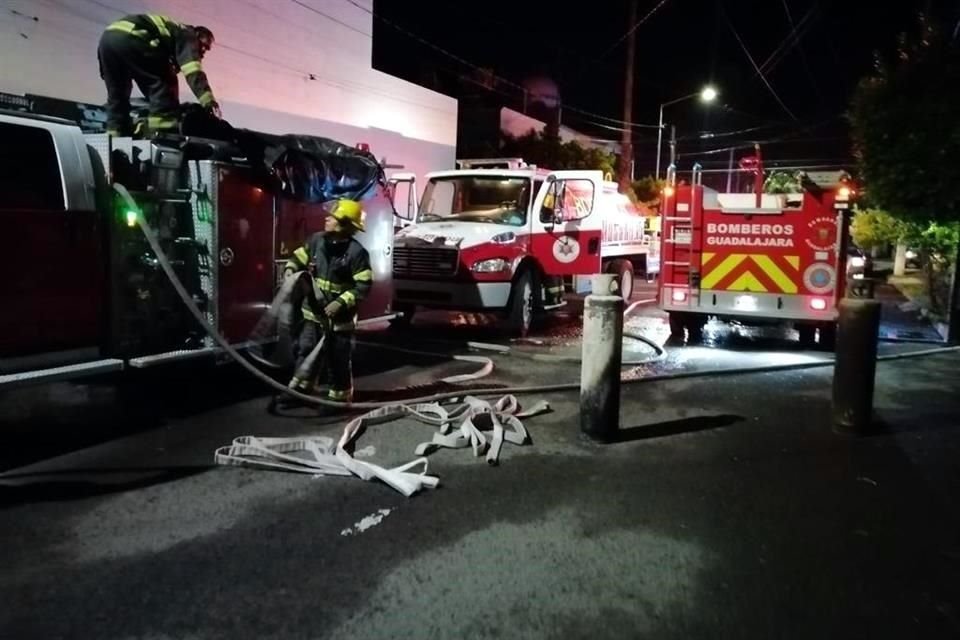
<point x="277" y="67"/>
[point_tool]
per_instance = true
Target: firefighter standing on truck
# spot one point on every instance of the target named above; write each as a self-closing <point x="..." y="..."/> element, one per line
<point x="342" y="277"/>
<point x="150" y="49"/>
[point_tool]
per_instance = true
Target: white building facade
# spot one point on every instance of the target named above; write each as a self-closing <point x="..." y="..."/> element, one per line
<point x="277" y="67"/>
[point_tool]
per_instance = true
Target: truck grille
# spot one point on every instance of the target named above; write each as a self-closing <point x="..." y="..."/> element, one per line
<point x="425" y="261"/>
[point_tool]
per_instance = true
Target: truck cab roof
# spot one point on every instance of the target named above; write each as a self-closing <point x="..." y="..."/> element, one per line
<point x="37" y="117"/>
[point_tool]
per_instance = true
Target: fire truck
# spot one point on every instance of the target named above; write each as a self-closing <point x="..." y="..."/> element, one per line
<point x="81" y="292"/>
<point x="500" y="235"/>
<point x="756" y="258"/>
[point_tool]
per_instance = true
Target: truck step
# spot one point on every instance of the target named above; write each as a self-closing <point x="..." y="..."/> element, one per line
<point x="57" y="374"/>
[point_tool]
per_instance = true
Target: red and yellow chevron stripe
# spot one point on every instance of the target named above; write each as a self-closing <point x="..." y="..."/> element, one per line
<point x="750" y="272"/>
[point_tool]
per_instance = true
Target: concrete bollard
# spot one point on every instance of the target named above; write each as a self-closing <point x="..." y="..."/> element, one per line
<point x="856" y="365"/>
<point x="602" y="355"/>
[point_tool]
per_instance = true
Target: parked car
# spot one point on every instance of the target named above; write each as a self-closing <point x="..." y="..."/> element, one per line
<point x="913" y="259"/>
<point x="859" y="263"/>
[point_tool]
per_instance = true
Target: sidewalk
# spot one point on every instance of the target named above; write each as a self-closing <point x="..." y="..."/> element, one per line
<point x="900" y="319"/>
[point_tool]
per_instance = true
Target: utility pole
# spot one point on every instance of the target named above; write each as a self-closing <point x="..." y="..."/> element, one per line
<point x="626" y="140"/>
<point x="730" y="173"/>
<point x="673" y="146"/>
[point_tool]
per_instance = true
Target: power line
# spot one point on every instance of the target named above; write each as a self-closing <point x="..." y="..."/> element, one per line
<point x="803" y="54"/>
<point x="838" y="165"/>
<point x="753" y="62"/>
<point x="346" y="85"/>
<point x="709" y="135"/>
<point x="631" y="30"/>
<point x="784" y="138"/>
<point x="476" y="67"/>
<point x="329" y="17"/>
<point x="792" y="40"/>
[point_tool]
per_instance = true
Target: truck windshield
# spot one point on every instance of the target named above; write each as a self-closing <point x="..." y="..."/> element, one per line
<point x="499" y="200"/>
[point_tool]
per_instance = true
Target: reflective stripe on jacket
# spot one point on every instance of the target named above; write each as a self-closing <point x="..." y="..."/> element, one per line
<point x="178" y="41"/>
<point x="341" y="272"/>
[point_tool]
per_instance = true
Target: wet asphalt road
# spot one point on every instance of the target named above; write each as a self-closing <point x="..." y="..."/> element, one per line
<point x="727" y="508"/>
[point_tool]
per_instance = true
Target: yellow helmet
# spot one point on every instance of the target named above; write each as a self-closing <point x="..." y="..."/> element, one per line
<point x="350" y="212"/>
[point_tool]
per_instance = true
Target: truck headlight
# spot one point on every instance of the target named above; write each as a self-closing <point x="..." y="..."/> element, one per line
<point x="492" y="265"/>
<point x="857" y="262"/>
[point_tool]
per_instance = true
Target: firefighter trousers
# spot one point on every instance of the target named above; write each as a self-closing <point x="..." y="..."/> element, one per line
<point x="125" y="59"/>
<point x="335" y="363"/>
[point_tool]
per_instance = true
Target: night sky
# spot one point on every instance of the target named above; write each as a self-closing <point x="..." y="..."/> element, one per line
<point x="683" y="45"/>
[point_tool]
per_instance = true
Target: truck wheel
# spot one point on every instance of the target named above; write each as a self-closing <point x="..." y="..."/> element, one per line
<point x="523" y="304"/>
<point x="695" y="325"/>
<point x="677" y="324"/>
<point x="807" y="333"/>
<point x="624" y="271"/>
<point x="828" y="337"/>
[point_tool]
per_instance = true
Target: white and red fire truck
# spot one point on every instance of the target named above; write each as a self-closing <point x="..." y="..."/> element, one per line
<point x="756" y="258"/>
<point x="503" y="236"/>
<point x="82" y="294"/>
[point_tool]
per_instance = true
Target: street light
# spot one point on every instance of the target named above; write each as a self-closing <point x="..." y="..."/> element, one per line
<point x="707" y="95"/>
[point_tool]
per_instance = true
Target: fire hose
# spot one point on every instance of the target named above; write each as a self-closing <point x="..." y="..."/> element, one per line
<point x="276" y="453"/>
<point x="439" y="397"/>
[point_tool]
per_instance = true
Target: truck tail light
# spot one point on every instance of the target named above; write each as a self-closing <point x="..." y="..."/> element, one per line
<point x="818" y="304"/>
<point x="679" y="296"/>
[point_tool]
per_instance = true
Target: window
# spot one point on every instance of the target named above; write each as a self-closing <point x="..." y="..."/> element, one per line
<point x="29" y="170"/>
<point x="497" y="200"/>
<point x="568" y="200"/>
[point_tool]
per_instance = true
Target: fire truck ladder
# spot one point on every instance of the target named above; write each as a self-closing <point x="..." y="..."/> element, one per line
<point x="682" y="253"/>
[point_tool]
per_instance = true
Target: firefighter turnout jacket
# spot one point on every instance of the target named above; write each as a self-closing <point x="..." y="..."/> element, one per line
<point x="177" y="41"/>
<point x="341" y="272"/>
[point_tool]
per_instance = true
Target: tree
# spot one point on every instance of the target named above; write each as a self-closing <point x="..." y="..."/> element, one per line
<point x="907" y="140"/>
<point x="549" y="151"/>
<point x="647" y="191"/>
<point x="782" y="182"/>
<point x="876" y="228"/>
<point x="905" y="128"/>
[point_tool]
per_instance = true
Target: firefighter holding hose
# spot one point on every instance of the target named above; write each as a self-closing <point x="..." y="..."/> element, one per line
<point x="341" y="278"/>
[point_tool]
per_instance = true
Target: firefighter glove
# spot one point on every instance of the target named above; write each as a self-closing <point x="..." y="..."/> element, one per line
<point x="333" y="308"/>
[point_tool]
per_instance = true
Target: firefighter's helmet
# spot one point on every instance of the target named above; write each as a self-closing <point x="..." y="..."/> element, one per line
<point x="349" y="212"/>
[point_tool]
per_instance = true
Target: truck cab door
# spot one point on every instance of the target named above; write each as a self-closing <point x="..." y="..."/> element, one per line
<point x="567" y="223"/>
<point x="52" y="290"/>
<point x="402" y="188"/>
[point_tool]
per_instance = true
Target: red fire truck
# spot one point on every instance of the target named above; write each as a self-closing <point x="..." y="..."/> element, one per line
<point x="498" y="234"/>
<point x="756" y="258"/>
<point x="80" y="291"/>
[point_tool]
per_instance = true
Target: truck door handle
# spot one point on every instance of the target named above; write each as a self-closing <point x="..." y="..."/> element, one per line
<point x="226" y="257"/>
<point x="593" y="245"/>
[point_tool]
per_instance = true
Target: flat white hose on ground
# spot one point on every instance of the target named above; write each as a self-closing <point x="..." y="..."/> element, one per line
<point x="319" y="457"/>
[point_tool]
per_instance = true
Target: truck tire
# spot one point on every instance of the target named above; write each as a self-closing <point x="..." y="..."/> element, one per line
<point x="828" y="337"/>
<point x="807" y="334"/>
<point x="695" y="324"/>
<point x="678" y="323"/>
<point x="523" y="304"/>
<point x="624" y="271"/>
